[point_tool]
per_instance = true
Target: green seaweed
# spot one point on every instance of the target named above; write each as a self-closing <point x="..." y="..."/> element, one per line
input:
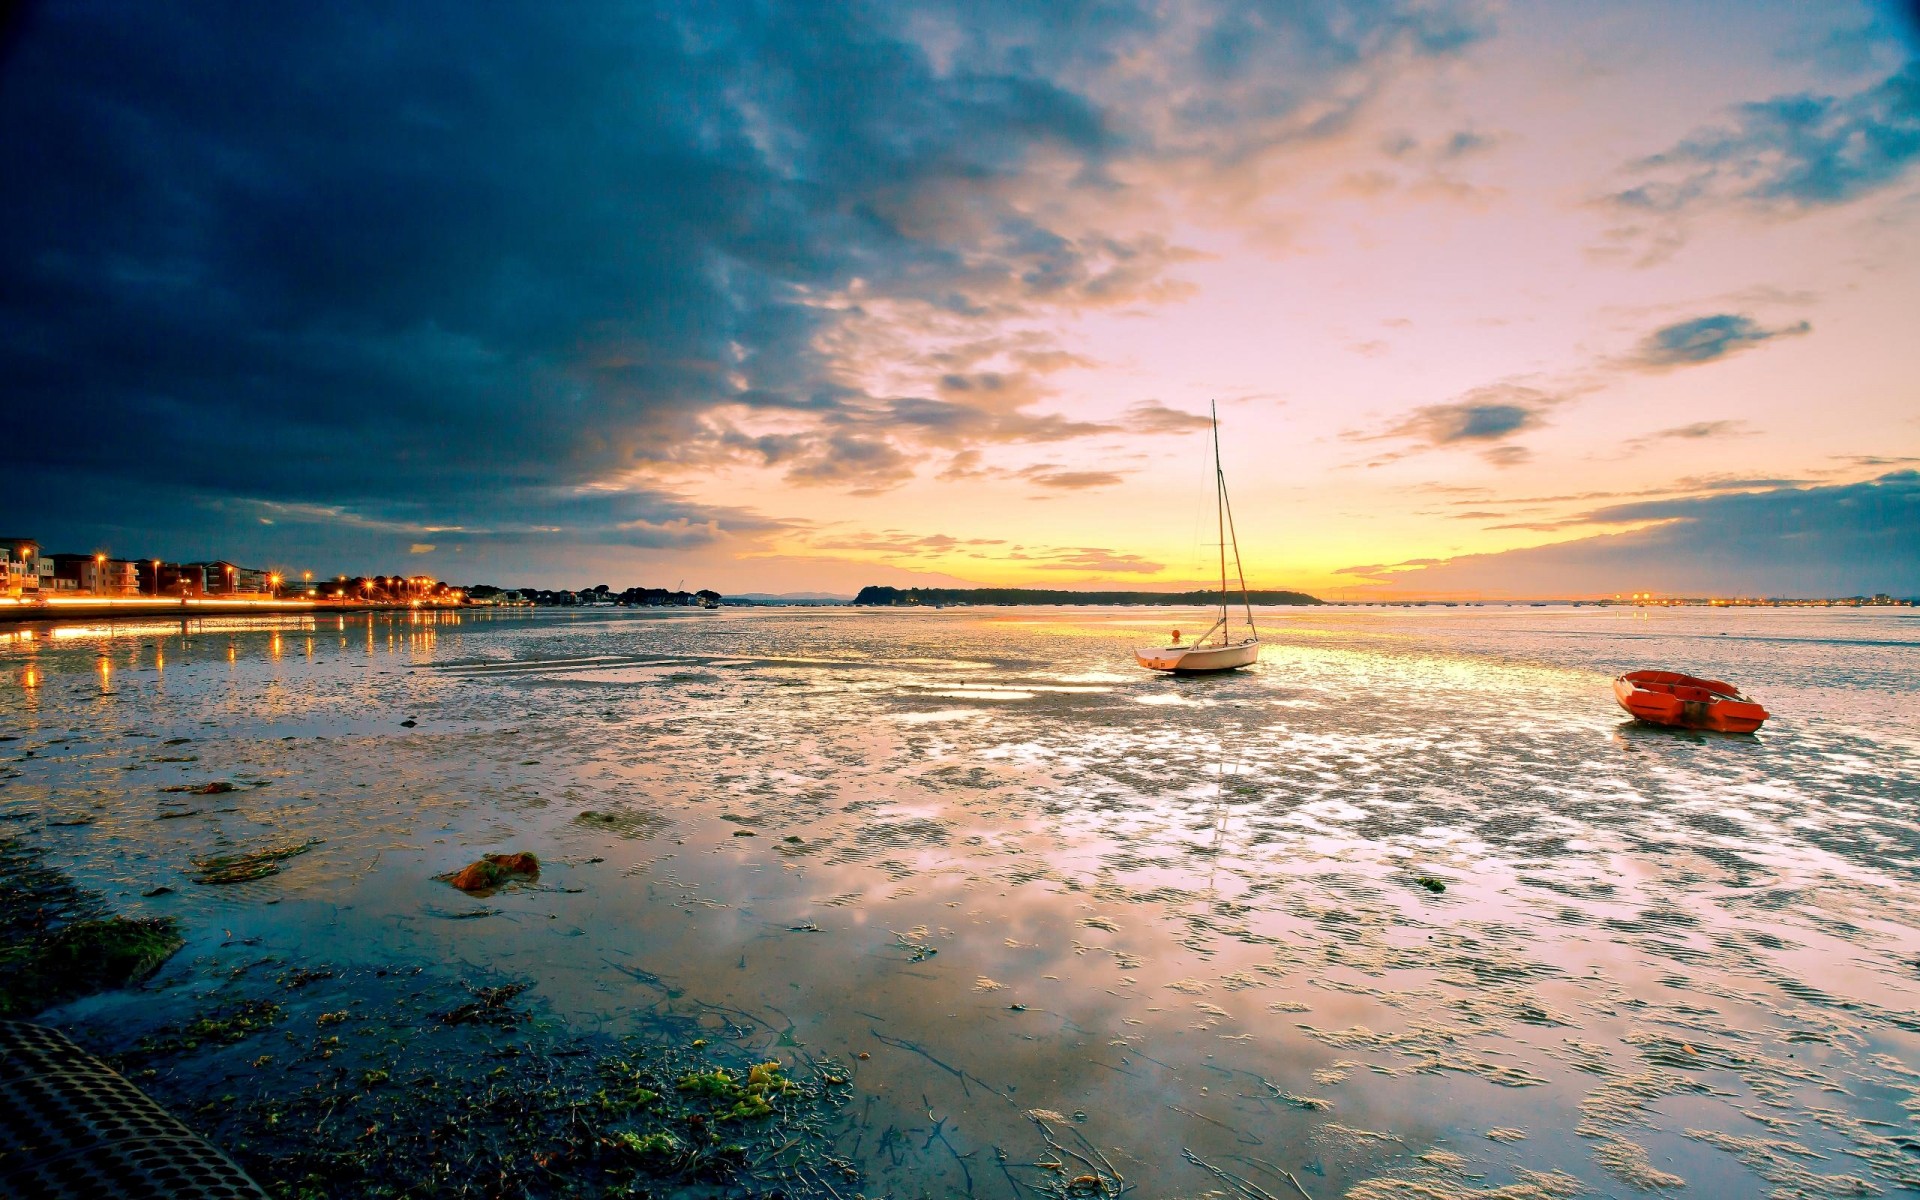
<point x="59" y="942"/>
<point x="221" y="1027"/>
<point x="82" y="958"/>
<point x="241" y="868"/>
<point x="475" y="1110"/>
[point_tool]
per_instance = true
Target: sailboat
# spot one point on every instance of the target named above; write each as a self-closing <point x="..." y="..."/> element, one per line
<point x="1202" y="654"/>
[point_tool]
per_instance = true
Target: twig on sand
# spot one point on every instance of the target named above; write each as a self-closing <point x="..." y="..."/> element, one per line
<point x="1251" y="1189"/>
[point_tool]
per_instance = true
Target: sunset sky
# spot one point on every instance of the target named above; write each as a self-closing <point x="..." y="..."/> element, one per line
<point x="1517" y="299"/>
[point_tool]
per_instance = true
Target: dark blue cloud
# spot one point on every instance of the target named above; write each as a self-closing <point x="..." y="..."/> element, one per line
<point x="1839" y="540"/>
<point x="436" y="263"/>
<point x="1705" y="339"/>
<point x="1794" y="152"/>
<point x="1483" y="418"/>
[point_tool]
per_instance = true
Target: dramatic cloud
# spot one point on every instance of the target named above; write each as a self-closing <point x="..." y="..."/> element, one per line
<point x="1822" y="541"/>
<point x="439" y="258"/>
<point x="1704" y="340"/>
<point x="1479" y="419"/>
<point x="1780" y="156"/>
<point x="1792" y="151"/>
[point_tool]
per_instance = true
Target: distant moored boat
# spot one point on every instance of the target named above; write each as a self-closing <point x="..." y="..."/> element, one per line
<point x="1670" y="698"/>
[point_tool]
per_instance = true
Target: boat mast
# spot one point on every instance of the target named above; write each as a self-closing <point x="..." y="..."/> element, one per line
<point x="1226" y="503"/>
<point x="1219" y="516"/>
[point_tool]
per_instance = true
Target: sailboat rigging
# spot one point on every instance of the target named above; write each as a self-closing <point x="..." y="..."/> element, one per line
<point x="1202" y="653"/>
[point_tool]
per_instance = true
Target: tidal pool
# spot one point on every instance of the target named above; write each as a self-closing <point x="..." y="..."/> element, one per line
<point x="1058" y="917"/>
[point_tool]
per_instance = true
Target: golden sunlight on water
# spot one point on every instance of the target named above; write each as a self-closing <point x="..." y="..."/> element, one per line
<point x="1408" y="908"/>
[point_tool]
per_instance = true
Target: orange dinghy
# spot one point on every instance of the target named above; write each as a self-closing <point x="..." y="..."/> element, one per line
<point x="1670" y="698"/>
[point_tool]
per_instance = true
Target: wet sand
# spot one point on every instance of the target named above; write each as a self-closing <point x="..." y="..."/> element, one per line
<point x="1180" y="927"/>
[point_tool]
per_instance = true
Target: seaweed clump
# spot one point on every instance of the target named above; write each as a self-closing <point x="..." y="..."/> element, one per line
<point x="491" y="871"/>
<point x="222" y="1027"/>
<point x="454" y="1106"/>
<point x="58" y="943"/>
<point x="247" y="866"/>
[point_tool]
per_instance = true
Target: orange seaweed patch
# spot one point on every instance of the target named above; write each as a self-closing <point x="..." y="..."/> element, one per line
<point x="491" y="871"/>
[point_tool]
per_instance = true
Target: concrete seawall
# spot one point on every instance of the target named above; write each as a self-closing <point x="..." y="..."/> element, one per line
<point x="14" y="612"/>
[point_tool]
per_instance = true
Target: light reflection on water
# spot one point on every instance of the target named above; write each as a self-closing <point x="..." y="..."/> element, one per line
<point x="1189" y="909"/>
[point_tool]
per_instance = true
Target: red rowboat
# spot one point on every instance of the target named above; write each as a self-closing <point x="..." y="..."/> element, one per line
<point x="1670" y="698"/>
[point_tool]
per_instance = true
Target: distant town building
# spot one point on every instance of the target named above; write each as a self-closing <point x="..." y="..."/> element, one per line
<point x="222" y="578"/>
<point x="95" y="574"/>
<point x="182" y="579"/>
<point x="23" y="570"/>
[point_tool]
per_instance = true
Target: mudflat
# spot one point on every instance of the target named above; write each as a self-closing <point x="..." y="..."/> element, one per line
<point x="1408" y="905"/>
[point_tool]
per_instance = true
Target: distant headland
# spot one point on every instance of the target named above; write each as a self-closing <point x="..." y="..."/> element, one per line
<point x="915" y="597"/>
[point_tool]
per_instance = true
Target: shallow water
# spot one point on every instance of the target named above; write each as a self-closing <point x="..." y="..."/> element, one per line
<point x="1022" y="876"/>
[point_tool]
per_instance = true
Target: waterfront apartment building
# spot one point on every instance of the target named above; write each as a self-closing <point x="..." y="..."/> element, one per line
<point x="95" y="574"/>
<point x="23" y="569"/>
<point x="222" y="578"/>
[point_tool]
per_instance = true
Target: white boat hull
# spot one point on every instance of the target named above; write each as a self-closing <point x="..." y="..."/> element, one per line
<point x="1195" y="659"/>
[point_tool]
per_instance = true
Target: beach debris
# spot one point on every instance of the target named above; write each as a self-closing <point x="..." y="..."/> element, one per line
<point x="914" y="942"/>
<point x="492" y="871"/>
<point x="624" y="822"/>
<point x="247" y="866"/>
<point x="488" y="1007"/>
<point x="409" y="723"/>
<point x="744" y="833"/>
<point x="1310" y="1103"/>
<point x="1430" y="883"/>
<point x="213" y="788"/>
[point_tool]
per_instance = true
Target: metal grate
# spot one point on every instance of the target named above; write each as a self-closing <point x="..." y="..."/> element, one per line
<point x="72" y="1127"/>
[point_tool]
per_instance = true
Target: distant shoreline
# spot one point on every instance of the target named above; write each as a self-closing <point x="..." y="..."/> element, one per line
<point x="132" y="609"/>
<point x="915" y="597"/>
